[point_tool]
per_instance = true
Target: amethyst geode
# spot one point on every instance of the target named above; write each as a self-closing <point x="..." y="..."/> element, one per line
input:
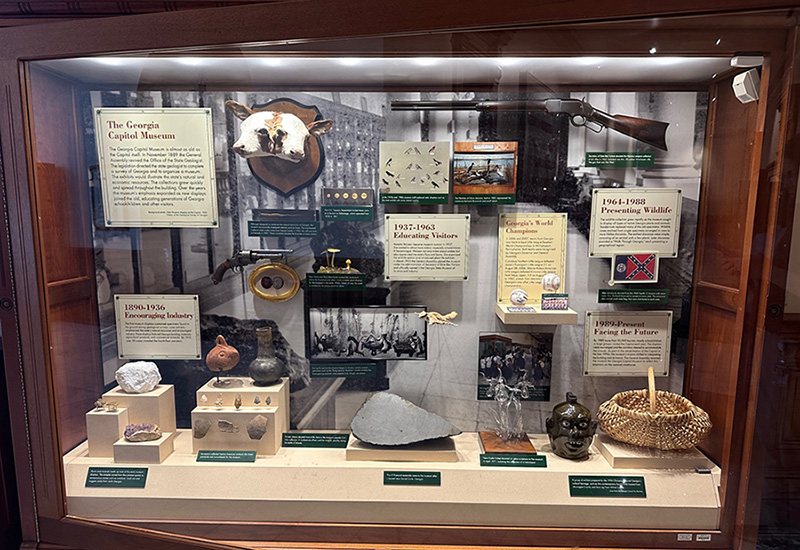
<point x="141" y="432"/>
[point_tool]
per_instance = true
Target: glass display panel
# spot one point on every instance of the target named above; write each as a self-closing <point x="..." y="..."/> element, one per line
<point x="386" y="288"/>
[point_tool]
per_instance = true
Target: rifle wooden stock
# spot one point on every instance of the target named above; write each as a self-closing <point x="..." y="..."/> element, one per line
<point x="652" y="132"/>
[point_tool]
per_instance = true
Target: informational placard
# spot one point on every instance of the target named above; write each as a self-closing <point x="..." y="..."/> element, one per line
<point x="635" y="159"/>
<point x="412" y="478"/>
<point x="344" y="282"/>
<point x="283" y="223"/>
<point x="530" y="246"/>
<point x="635" y="220"/>
<point x="607" y="486"/>
<point x="131" y="478"/>
<point x="225" y="456"/>
<point x="315" y="440"/>
<point x="633" y="296"/>
<point x="513" y="461"/>
<point x="343" y="370"/>
<point x="626" y="343"/>
<point x="427" y="247"/>
<point x="157" y="167"/>
<point x="153" y="326"/>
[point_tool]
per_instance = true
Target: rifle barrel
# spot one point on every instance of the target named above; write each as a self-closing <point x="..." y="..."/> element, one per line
<point x="470" y="105"/>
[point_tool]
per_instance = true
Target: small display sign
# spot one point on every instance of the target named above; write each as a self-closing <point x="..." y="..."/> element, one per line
<point x="134" y="478"/>
<point x="283" y="223"/>
<point x="412" y="478"/>
<point x="633" y="296"/>
<point x="343" y="213"/>
<point x="316" y="440"/>
<point x="342" y="370"/>
<point x="607" y="486"/>
<point x="336" y="281"/>
<point x="226" y="456"/>
<point x="635" y="159"/>
<point x="514" y="461"/>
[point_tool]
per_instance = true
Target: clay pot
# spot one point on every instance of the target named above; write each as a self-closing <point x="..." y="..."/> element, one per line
<point x="222" y="357"/>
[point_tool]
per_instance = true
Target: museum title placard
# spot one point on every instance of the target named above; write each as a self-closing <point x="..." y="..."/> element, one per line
<point x="157" y="167"/>
<point x="153" y="326"/>
<point x="427" y="247"/>
<point x="635" y="220"/>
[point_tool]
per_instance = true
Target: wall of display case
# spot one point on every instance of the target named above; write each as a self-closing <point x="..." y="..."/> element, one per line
<point x="499" y="284"/>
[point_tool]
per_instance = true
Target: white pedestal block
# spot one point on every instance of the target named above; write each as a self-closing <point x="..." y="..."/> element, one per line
<point x="440" y="450"/>
<point x="146" y="452"/>
<point x="103" y="429"/>
<point x="153" y="407"/>
<point x="622" y="455"/>
<point x="277" y="394"/>
<point x="228" y="430"/>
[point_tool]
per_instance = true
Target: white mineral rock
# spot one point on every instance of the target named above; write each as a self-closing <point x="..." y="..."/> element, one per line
<point x="138" y="377"/>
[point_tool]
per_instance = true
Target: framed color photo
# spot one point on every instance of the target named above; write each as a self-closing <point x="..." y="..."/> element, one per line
<point x="485" y="172"/>
<point x="367" y="333"/>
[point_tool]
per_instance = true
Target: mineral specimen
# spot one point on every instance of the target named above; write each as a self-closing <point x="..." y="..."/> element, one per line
<point x="200" y="428"/>
<point x="203" y="399"/>
<point x="141" y="432"/>
<point x="219" y="401"/>
<point x="138" y="377"/>
<point x="227" y="427"/>
<point x="388" y="419"/>
<point x="257" y="427"/>
<point x="237" y="402"/>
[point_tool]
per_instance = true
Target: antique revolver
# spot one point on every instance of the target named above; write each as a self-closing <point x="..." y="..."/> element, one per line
<point x="243" y="258"/>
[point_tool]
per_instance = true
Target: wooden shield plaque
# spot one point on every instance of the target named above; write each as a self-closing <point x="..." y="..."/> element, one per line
<point x="281" y="175"/>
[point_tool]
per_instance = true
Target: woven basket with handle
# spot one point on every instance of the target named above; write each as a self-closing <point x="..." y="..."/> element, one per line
<point x="650" y="418"/>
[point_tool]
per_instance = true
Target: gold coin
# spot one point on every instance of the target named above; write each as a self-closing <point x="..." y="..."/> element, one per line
<point x="346" y="196"/>
<point x="336" y="195"/>
<point x="363" y="195"/>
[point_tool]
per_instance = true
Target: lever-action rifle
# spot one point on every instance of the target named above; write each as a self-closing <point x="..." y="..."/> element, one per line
<point x="243" y="258"/>
<point x="652" y="132"/>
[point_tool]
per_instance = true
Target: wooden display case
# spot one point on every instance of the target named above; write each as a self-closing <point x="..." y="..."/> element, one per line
<point x="48" y="309"/>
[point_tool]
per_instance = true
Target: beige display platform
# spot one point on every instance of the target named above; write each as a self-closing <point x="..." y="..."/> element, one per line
<point x="153" y="407"/>
<point x="440" y="450"/>
<point x="622" y="455"/>
<point x="144" y="452"/>
<point x="320" y="485"/>
<point x="277" y="393"/>
<point x="535" y="316"/>
<point x="218" y="440"/>
<point x="103" y="429"/>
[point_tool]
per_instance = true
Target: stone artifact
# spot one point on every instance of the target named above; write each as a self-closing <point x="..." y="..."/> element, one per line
<point x="222" y="357"/>
<point x="269" y="400"/>
<point x="257" y="400"/>
<point x="110" y="406"/>
<point x="138" y="377"/>
<point x="218" y="401"/>
<point x="141" y="432"/>
<point x="518" y="297"/>
<point x="257" y="427"/>
<point x="388" y="419"/>
<point x="200" y="428"/>
<point x="203" y="399"/>
<point x="266" y="369"/>
<point x="571" y="429"/>
<point x="227" y="427"/>
<point x="551" y="282"/>
<point x="99" y="405"/>
<point x="237" y="402"/>
<point x="433" y="318"/>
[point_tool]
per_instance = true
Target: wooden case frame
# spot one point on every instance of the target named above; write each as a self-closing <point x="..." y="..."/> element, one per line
<point x="40" y="285"/>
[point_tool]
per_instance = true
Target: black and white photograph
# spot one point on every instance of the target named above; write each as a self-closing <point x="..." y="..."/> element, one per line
<point x="372" y="333"/>
<point x="521" y="359"/>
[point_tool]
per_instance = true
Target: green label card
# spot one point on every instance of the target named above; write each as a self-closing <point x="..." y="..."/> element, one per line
<point x="484" y="199"/>
<point x="412" y="478"/>
<point x="342" y="370"/>
<point x="335" y="281"/>
<point x="116" y="477"/>
<point x="607" y="486"/>
<point x="315" y="440"/>
<point x="417" y="198"/>
<point x="226" y="456"/>
<point x="620" y="160"/>
<point x="512" y="460"/>
<point x="632" y="296"/>
<point x="348" y="213"/>
<point x="282" y="229"/>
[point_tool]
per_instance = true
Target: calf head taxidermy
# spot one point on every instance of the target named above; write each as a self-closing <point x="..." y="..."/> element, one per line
<point x="280" y="141"/>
